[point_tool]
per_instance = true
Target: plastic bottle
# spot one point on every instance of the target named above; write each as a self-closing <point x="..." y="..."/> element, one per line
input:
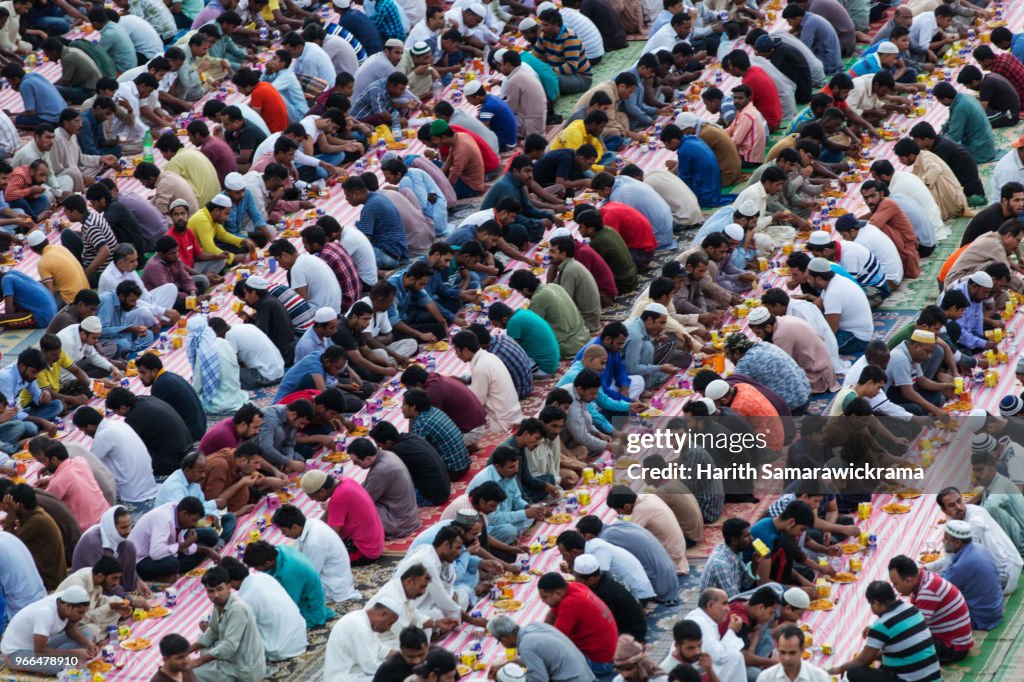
<point x="438" y="89"/>
<point x="147" y="146"/>
<point x="396" y="126"/>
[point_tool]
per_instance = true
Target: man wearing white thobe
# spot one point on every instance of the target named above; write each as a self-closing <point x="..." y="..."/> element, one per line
<point x="355" y="649"/>
<point x="323" y="547"/>
<point x="281" y="624"/>
<point x="153" y="305"/>
<point x="726" y="651"/>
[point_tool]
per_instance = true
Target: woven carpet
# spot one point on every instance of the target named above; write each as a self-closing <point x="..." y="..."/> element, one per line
<point x="13" y="341"/>
<point x="997" y="655"/>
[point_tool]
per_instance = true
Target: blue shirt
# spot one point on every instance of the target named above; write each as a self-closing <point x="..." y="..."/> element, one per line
<point x="821" y="38"/>
<point x="459" y="237"/>
<point x="244" y="210"/>
<point x="405" y="299"/>
<point x="1017" y="46"/>
<point x="498" y="116"/>
<point x="287" y="83"/>
<point x="382" y="225"/>
<point x="177" y="487"/>
<point x="315" y="62"/>
<point x="115" y="41"/>
<point x="299" y="377"/>
<point x="643" y="198"/>
<point x="465" y="565"/>
<point x="11" y="386"/>
<point x="22" y="584"/>
<point x="513" y="509"/>
<point x="309" y="343"/>
<point x="91" y="135"/>
<point x="972" y="324"/>
<point x="973" y="571"/>
<point x="40" y="95"/>
<point x="363" y="29"/>
<point x="698" y="168"/>
<point x="614" y="374"/>
<point x="30" y="295"/>
<point x="439" y="290"/>
<point x="111" y="315"/>
<point x="640" y="115"/>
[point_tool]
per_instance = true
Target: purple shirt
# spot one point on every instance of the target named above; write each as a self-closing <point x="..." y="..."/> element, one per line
<point x="207" y="14"/>
<point x="221" y="435"/>
<point x="152" y="223"/>
<point x="220" y="155"/>
<point x="156" y="535"/>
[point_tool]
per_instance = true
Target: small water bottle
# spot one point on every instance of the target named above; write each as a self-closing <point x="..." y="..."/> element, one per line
<point x="264" y="33"/>
<point x="360" y="166"/>
<point x="164" y="343"/>
<point x="568" y="203"/>
<point x="204" y="307"/>
<point x="111" y="633"/>
<point x="437" y="88"/>
<point x="261" y="262"/>
<point x="486" y="61"/>
<point x="396" y="127"/>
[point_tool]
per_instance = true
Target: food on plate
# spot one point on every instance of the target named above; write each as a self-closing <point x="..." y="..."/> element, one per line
<point x="679" y="393"/>
<point x="159" y="612"/>
<point x="908" y="494"/>
<point x="520" y="578"/>
<point x="895" y="508"/>
<point x="560" y="518"/>
<point x="99" y="666"/>
<point x="850" y="548"/>
<point x="336" y="457"/>
<point x="929" y="557"/>
<point x="822" y="605"/>
<point x="960" y="406"/>
<point x="136" y="644"/>
<point x="843" y="577"/>
<point x="359" y="432"/>
<point x="284" y="496"/>
<point x="439" y="346"/>
<point x="508" y="605"/>
<point x="196" y="573"/>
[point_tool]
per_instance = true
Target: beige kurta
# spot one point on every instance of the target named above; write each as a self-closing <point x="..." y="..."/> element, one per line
<point x="800" y="342"/>
<point x="679" y="197"/>
<point x="492" y="385"/>
<point x="651" y="512"/>
<point x="942" y="183"/>
<point x="67" y="156"/>
<point x="725" y="150"/>
<point x="632" y="15"/>
<point x="100" y="613"/>
<point x="684" y="506"/>
<point x="988" y="248"/>
<point x="681" y="326"/>
<point x="618" y="121"/>
<point x="525" y="96"/>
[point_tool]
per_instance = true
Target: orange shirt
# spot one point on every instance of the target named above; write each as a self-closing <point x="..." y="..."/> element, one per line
<point x="763" y="417"/>
<point x="221" y="473"/>
<point x="467" y="163"/>
<point x="950" y="262"/>
<point x="271" y="106"/>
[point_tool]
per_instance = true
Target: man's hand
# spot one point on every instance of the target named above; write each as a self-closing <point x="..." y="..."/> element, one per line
<point x="190" y="539"/>
<point x="295" y="466"/>
<point x="735" y="623"/>
<point x="536" y="512"/>
<point x="669" y="369"/>
<point x="138" y="330"/>
<point x="427" y="338"/>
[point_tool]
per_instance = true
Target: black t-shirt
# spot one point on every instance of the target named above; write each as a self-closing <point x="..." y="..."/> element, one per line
<point x="272" y="319"/>
<point x="560" y="163"/>
<point x="179" y="394"/>
<point x="346" y="339"/>
<point x="427" y="469"/>
<point x="1000" y="94"/>
<point x="247" y="137"/>
<point x="163" y="431"/>
<point x="987" y="220"/>
<point x="629" y="615"/>
<point x="394" y="669"/>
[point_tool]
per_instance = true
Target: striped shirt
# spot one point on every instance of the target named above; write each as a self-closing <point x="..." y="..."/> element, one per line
<point x="299" y="311"/>
<point x="590" y="36"/>
<point x="902" y="637"/>
<point x="438" y="429"/>
<point x="519" y="365"/>
<point x="944" y="610"/>
<point x="861" y="263"/>
<point x="564" y="53"/>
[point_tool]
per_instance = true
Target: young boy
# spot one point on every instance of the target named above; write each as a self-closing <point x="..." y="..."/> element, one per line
<point x="176" y="667"/>
<point x="452" y="56"/>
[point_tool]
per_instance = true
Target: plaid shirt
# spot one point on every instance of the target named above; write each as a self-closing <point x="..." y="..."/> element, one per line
<point x="709" y="492"/>
<point x="725" y="570"/>
<point x="438" y="429"/>
<point x="1010" y="68"/>
<point x="516" y="360"/>
<point x="388" y="21"/>
<point x="157" y="15"/>
<point x="335" y="255"/>
<point x="564" y="53"/>
<point x="373" y="101"/>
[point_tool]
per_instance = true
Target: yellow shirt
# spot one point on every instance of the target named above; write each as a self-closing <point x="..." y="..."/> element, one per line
<point x="268" y="12"/>
<point x="61" y="267"/>
<point x="206" y="231"/>
<point x="49" y="377"/>
<point x="197" y="171"/>
<point x="574" y="136"/>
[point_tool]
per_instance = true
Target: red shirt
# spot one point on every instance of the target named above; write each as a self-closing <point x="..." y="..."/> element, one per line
<point x="837" y="103"/>
<point x="351" y="512"/>
<point x="309" y="394"/>
<point x="454" y="398"/>
<point x="188" y="245"/>
<point x="765" y="94"/>
<point x="585" y="619"/>
<point x="944" y="610"/>
<point x="491" y="160"/>
<point x="592" y="261"/>
<point x="271" y="106"/>
<point x="632" y="226"/>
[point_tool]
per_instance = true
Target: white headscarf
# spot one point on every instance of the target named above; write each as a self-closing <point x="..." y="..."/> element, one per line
<point x="109" y="537"/>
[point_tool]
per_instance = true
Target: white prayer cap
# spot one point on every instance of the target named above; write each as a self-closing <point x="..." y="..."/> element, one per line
<point x="75" y="595"/>
<point x="234" y="182"/>
<point x="734" y="232"/>
<point x="527" y="23"/>
<point x="324" y="315"/>
<point x="559" y="232"/>
<point x="758" y="315"/>
<point x="586" y="564"/>
<point x="748" y="208"/>
<point x="394" y="42"/>
<point x="343" y="4"/>
<point x="710" y="404"/>
<point x="961" y="530"/>
<point x="656" y="308"/>
<point x="716" y="390"/>
<point x="499" y="53"/>
<point x="222" y="200"/>
<point x="477" y="9"/>
<point x="544" y="7"/>
<point x="923" y="336"/>
<point x="176" y="203"/>
<point x="91" y="325"/>
<point x="887" y="47"/>
<point x="687" y="119"/>
<point x="796" y="598"/>
<point x="819" y="238"/>
<point x="472" y="88"/>
<point x="389" y="603"/>
<point x="819" y="265"/>
<point x="420" y="47"/>
<point x="982" y="279"/>
<point x="976" y="419"/>
<point x="257" y="282"/>
<point x="35" y="238"/>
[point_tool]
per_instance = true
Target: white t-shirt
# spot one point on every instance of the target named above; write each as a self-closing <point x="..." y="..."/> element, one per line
<point x="907" y="183"/>
<point x="359" y="248"/>
<point x="118" y="446"/>
<point x="322" y="288"/>
<point x="879" y="243"/>
<point x="845" y="298"/>
<point x="380" y="323"/>
<point x="38" y="618"/>
<point x="282" y="627"/>
<point x="309" y="123"/>
<point x="255" y="350"/>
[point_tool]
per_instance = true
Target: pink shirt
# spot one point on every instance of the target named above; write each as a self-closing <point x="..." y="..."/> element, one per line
<point x="222" y="435"/>
<point x="75" y="486"/>
<point x="352" y="513"/>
